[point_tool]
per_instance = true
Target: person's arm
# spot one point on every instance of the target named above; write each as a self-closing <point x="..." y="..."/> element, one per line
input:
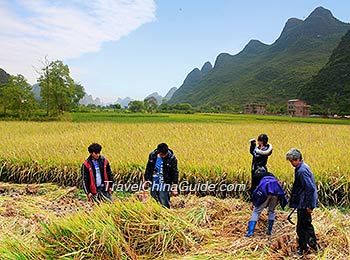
<point x="148" y="171"/>
<point x="310" y="191"/>
<point x="174" y="176"/>
<point x="85" y="179"/>
<point x="110" y="178"/>
<point x="252" y="146"/>
<point x="255" y="183"/>
<point x="256" y="178"/>
<point x="304" y="179"/>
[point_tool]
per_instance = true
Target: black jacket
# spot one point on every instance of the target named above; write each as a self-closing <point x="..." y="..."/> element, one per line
<point x="86" y="174"/>
<point x="170" y="171"/>
<point x="259" y="156"/>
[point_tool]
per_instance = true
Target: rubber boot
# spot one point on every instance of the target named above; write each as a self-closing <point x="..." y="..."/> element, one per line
<point x="251" y="227"/>
<point x="269" y="228"/>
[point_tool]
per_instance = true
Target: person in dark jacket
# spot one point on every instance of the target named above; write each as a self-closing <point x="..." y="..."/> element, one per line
<point x="162" y="174"/>
<point x="97" y="175"/>
<point x="304" y="199"/>
<point x="260" y="152"/>
<point x="269" y="193"/>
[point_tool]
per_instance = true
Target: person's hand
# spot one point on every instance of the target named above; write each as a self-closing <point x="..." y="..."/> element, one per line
<point x="309" y="210"/>
<point x="174" y="191"/>
<point x="145" y="185"/>
<point x="89" y="196"/>
<point x="251" y="206"/>
<point x="110" y="191"/>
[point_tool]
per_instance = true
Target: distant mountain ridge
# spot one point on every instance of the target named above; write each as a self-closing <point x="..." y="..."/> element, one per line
<point x="170" y="94"/>
<point x="190" y="83"/>
<point x="156" y="96"/>
<point x="161" y="99"/>
<point x="4" y="76"/>
<point x="123" y="102"/>
<point x="89" y="100"/>
<point x="37" y="92"/>
<point x="266" y="73"/>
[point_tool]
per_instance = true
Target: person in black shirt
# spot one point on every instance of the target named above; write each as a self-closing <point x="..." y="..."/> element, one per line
<point x="162" y="174"/>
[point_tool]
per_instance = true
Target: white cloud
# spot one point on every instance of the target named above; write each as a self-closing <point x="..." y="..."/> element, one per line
<point x="33" y="29"/>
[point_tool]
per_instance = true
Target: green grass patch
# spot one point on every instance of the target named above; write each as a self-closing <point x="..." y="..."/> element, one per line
<point x="195" y="118"/>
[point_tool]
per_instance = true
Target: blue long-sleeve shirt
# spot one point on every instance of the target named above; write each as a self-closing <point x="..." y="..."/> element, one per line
<point x="304" y="191"/>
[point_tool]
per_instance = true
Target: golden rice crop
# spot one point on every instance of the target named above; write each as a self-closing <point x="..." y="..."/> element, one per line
<point x="54" y="151"/>
<point x="195" y="228"/>
<point x="122" y="230"/>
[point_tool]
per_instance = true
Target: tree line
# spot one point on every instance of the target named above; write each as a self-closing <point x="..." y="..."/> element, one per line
<point x="150" y="105"/>
<point x="59" y="93"/>
<point x="139" y="106"/>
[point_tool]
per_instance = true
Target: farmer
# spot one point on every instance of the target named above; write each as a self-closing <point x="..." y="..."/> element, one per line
<point x="304" y="199"/>
<point x="162" y="174"/>
<point x="268" y="193"/>
<point x="260" y="152"/>
<point x="97" y="175"/>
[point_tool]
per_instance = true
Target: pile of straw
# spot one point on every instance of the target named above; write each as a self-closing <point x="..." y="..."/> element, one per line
<point x="195" y="228"/>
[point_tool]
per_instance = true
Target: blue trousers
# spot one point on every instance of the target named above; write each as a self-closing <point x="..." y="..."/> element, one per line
<point x="102" y="195"/>
<point x="163" y="197"/>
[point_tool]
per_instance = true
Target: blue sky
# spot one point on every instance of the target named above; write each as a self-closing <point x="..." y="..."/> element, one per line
<point x="120" y="48"/>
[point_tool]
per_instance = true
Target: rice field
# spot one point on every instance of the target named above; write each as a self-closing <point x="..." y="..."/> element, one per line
<point x="46" y="221"/>
<point x="34" y="152"/>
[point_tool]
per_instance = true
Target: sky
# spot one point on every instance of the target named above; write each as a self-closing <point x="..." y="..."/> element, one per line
<point x="132" y="48"/>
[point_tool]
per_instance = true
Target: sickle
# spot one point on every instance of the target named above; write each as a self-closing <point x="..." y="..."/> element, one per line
<point x="289" y="217"/>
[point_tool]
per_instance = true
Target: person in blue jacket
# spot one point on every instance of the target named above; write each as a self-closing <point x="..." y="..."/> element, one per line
<point x="268" y="193"/>
<point x="304" y="199"/>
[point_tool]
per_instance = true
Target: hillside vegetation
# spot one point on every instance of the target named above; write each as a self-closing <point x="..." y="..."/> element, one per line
<point x="329" y="90"/>
<point x="267" y="73"/>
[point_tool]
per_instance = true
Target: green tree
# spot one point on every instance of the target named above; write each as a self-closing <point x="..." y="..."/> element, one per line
<point x="17" y="96"/>
<point x="331" y="102"/>
<point x="136" y="106"/>
<point x="183" y="107"/>
<point x="117" y="106"/>
<point x="78" y="93"/>
<point x="59" y="92"/>
<point x="150" y="104"/>
<point x="164" y="107"/>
